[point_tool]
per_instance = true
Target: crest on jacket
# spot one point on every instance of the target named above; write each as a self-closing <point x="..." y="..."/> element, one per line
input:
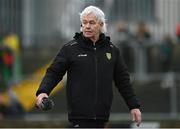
<point x="108" y="55"/>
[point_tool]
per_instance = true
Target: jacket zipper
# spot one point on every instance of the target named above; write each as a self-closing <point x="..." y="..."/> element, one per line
<point x="96" y="81"/>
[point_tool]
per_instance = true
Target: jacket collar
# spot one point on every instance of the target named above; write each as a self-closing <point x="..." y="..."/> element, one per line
<point x="86" y="42"/>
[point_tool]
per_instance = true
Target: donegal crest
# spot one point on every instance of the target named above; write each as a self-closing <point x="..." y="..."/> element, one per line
<point x="108" y="55"/>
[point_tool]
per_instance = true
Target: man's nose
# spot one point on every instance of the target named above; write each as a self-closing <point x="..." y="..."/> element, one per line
<point x="87" y="25"/>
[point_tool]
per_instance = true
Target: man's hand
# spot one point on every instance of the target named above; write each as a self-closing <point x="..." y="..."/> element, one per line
<point x="39" y="99"/>
<point x="136" y="116"/>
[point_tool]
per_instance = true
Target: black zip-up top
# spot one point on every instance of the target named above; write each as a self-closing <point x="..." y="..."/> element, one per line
<point x="91" y="70"/>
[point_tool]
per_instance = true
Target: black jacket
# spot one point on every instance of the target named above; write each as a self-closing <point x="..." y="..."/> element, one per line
<point x="91" y="70"/>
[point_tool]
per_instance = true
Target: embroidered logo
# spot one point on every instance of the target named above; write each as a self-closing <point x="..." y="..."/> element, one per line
<point x="108" y="55"/>
<point x="81" y="55"/>
<point x="76" y="126"/>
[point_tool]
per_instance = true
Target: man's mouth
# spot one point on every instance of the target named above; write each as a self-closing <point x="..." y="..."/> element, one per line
<point x="88" y="32"/>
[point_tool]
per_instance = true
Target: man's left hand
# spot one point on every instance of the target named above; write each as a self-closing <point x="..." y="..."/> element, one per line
<point x="136" y="116"/>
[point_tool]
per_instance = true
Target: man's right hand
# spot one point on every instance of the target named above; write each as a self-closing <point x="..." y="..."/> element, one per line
<point x="39" y="99"/>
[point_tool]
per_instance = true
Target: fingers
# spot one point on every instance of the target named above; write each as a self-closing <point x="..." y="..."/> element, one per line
<point x="39" y="99"/>
<point x="138" y="119"/>
<point x="136" y="116"/>
<point x="133" y="117"/>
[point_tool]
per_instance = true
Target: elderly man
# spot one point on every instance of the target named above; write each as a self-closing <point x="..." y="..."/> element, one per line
<point x="92" y="63"/>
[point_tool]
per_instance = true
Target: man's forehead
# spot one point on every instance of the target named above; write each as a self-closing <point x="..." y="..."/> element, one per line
<point x="89" y="16"/>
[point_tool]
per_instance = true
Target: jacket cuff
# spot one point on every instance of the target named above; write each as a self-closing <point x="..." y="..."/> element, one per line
<point x="133" y="103"/>
<point x="41" y="91"/>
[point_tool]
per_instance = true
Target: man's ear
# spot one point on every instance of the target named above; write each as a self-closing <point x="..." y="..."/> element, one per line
<point x="101" y="24"/>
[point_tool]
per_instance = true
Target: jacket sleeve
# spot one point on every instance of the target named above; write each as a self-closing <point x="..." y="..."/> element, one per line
<point x="54" y="72"/>
<point x="122" y="82"/>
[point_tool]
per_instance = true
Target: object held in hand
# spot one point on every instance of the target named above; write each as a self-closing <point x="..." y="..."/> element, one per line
<point x="47" y="104"/>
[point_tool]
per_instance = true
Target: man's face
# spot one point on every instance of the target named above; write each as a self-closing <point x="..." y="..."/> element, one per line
<point x="91" y="26"/>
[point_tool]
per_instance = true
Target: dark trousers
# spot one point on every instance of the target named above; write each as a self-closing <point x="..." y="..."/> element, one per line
<point x="88" y="123"/>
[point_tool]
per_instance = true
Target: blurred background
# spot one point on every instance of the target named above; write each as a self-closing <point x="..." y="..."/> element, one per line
<point x="146" y="31"/>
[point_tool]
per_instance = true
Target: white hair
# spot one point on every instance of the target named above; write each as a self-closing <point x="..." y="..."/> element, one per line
<point x="99" y="15"/>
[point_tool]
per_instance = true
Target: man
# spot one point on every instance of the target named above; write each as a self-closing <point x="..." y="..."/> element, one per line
<point x="92" y="63"/>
